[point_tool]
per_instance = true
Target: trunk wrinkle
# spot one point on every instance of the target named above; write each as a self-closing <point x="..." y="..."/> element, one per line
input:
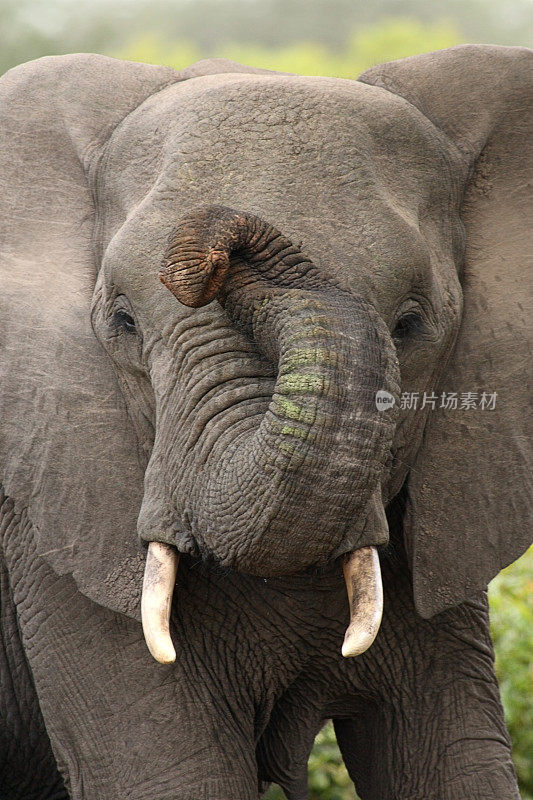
<point x="286" y="493"/>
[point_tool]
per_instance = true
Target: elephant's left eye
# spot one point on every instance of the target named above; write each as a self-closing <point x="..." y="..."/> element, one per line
<point x="122" y="319"/>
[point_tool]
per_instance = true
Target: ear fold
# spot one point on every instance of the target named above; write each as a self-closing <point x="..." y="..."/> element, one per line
<point x="469" y="505"/>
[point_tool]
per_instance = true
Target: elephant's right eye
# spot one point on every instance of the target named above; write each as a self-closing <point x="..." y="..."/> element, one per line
<point x="408" y="324"/>
<point x="121" y="319"/>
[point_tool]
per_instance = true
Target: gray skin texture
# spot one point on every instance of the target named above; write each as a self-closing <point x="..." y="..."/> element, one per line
<point x="407" y="191"/>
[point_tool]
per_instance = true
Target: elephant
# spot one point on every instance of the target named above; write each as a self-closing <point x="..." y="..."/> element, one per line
<point x="263" y="354"/>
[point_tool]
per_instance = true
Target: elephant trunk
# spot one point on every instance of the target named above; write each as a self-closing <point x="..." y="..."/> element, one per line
<point x="293" y="491"/>
<point x="304" y="483"/>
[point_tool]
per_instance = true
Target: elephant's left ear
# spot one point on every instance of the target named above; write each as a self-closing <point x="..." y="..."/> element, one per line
<point x="469" y="503"/>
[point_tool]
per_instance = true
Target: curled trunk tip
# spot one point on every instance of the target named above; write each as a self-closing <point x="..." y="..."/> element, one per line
<point x="196" y="262"/>
<point x="198" y="251"/>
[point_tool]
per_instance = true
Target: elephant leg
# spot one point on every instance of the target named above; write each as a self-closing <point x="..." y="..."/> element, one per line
<point x="285" y="745"/>
<point x="28" y="770"/>
<point x="434" y="728"/>
<point x="120" y="724"/>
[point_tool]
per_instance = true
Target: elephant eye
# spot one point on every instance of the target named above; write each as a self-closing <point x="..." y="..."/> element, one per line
<point x="408" y="324"/>
<point x="121" y="319"/>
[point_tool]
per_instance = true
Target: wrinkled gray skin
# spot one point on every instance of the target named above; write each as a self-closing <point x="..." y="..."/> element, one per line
<point x="407" y="191"/>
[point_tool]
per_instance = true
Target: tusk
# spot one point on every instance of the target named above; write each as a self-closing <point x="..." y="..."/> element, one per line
<point x="362" y="574"/>
<point x="158" y="586"/>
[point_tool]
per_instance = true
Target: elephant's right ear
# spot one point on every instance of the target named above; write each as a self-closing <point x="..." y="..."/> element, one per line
<point x="68" y="455"/>
<point x="69" y="459"/>
<point x="469" y="492"/>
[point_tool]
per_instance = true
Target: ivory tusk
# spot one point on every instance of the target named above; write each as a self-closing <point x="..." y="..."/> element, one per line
<point x="362" y="574"/>
<point x="158" y="587"/>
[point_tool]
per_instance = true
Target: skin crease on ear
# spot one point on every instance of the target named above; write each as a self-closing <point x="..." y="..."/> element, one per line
<point x="372" y="189"/>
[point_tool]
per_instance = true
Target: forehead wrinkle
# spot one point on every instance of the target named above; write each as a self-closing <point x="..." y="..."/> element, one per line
<point x="279" y="153"/>
<point x="283" y="133"/>
<point x="291" y="133"/>
<point x="306" y="154"/>
<point x="243" y="123"/>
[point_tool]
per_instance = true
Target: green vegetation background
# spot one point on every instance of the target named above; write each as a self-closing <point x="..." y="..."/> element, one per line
<point x="311" y="37"/>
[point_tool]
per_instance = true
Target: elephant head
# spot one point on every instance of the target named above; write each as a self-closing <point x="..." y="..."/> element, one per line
<point x="260" y="255"/>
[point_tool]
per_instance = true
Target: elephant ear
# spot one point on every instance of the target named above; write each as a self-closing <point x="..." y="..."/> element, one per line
<point x="69" y="459"/>
<point x="469" y="492"/>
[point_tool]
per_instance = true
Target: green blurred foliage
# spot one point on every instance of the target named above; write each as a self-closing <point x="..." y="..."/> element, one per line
<point x="511" y="609"/>
<point x="309" y="35"/>
<point x="394" y="38"/>
<point x="327" y="774"/>
<point x="511" y="605"/>
<point x="150" y="49"/>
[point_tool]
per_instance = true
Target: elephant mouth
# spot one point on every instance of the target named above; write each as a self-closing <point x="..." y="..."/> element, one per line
<point x="362" y="575"/>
